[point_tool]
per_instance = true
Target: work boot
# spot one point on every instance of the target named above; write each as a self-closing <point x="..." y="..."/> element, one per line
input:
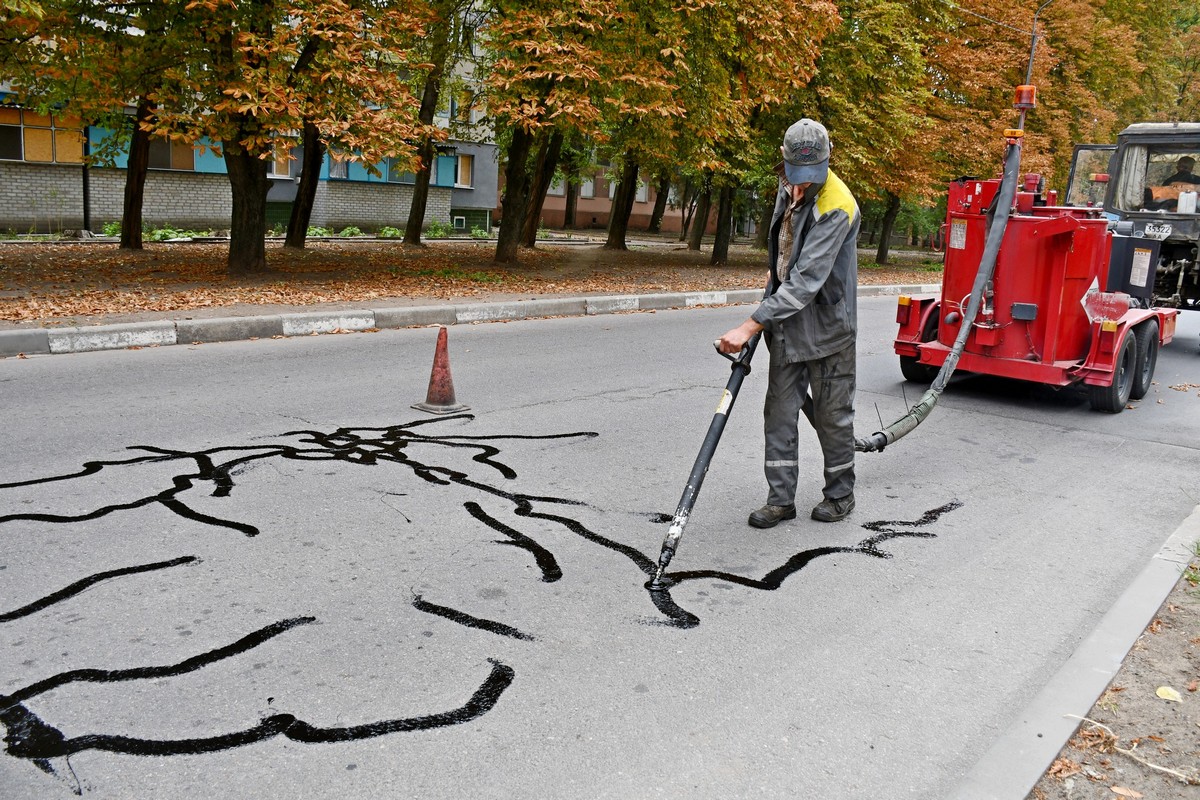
<point x="769" y="516"/>
<point x="830" y="510"/>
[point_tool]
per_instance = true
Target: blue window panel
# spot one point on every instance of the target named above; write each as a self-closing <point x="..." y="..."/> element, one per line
<point x="447" y="166"/>
<point x="96" y="139"/>
<point x="208" y="161"/>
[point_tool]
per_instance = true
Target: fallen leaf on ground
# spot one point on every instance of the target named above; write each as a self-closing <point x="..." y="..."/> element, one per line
<point x="1167" y="693"/>
<point x="1064" y="768"/>
<point x="1123" y="792"/>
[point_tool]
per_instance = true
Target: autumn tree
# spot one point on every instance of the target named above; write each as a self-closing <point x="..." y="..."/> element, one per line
<point x="263" y="70"/>
<point x="240" y="78"/>
<point x="93" y="59"/>
<point x="744" y="63"/>
<point x="557" y="67"/>
<point x="450" y="26"/>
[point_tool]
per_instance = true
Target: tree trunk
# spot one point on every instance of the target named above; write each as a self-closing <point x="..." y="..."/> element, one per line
<point x="516" y="196"/>
<point x="248" y="223"/>
<point x="700" y="218"/>
<point x="661" y="192"/>
<point x="720" y="253"/>
<point x="426" y="152"/>
<point x="135" y="179"/>
<point x="885" y="228"/>
<point x="306" y="192"/>
<point x="688" y="210"/>
<point x="622" y="205"/>
<point x="766" y="213"/>
<point x="572" y="201"/>
<point x="544" y="166"/>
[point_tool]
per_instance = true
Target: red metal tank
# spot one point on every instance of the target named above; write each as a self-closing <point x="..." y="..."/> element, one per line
<point x="1033" y="324"/>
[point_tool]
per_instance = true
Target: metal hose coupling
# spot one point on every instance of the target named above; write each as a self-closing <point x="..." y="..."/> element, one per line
<point x="901" y="427"/>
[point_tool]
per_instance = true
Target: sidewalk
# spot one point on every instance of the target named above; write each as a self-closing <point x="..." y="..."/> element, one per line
<point x="158" y="329"/>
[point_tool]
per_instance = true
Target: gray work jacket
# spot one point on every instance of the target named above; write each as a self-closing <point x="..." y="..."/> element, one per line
<point x="815" y="311"/>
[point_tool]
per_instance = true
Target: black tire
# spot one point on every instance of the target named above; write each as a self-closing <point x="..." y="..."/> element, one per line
<point x="1112" y="398"/>
<point x="1147" y="359"/>
<point x="912" y="369"/>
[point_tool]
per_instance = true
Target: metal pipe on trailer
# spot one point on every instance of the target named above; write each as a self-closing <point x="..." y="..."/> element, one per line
<point x="998" y="221"/>
<point x="1000" y="213"/>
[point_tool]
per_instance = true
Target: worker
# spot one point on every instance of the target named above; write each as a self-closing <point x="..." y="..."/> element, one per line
<point x="1183" y="172"/>
<point x="811" y="324"/>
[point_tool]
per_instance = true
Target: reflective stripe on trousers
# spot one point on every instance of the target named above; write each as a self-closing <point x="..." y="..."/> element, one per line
<point x="831" y="381"/>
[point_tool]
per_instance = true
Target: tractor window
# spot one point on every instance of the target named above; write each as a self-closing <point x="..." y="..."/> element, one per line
<point x="1152" y="177"/>
<point x="1089" y="174"/>
<point x="1132" y="186"/>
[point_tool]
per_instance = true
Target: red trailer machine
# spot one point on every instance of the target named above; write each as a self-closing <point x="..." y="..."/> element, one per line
<point x="1068" y="303"/>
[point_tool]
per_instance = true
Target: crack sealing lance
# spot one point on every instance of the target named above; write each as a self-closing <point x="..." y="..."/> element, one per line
<point x="738" y="373"/>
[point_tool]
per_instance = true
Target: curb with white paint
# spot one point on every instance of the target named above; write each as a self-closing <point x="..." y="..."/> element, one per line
<point x="46" y="341"/>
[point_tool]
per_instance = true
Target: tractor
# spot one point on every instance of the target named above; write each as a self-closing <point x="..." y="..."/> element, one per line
<point x="1138" y="180"/>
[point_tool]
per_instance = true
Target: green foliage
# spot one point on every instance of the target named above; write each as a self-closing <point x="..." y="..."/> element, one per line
<point x="350" y="230"/>
<point x="314" y="230"/>
<point x="439" y="230"/>
<point x="167" y="232"/>
<point x="111" y="229"/>
<point x="479" y="233"/>
<point x="388" y="232"/>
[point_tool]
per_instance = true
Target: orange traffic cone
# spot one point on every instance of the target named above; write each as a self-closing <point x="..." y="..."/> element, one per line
<point x="440" y="397"/>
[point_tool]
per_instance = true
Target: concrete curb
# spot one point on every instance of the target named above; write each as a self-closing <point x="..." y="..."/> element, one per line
<point x="1021" y="755"/>
<point x="46" y="341"/>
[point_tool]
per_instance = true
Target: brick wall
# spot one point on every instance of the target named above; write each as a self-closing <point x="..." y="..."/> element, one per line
<point x="373" y="205"/>
<point x="41" y="197"/>
<point x="49" y="197"/>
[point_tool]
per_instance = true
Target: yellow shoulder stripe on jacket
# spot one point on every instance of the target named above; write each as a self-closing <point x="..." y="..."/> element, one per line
<point x="835" y="195"/>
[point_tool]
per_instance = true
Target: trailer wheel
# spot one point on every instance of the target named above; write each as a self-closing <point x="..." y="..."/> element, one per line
<point x="912" y="369"/>
<point x="1112" y="398"/>
<point x="1147" y="358"/>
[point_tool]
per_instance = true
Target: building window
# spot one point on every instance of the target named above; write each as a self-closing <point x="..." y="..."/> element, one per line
<point x="338" y="167"/>
<point x="281" y="165"/>
<point x="168" y="154"/>
<point x="557" y="189"/>
<point x="464" y="171"/>
<point x="643" y="193"/>
<point x="27" y="136"/>
<point x="398" y="174"/>
<point x="588" y="188"/>
<point x="462" y="109"/>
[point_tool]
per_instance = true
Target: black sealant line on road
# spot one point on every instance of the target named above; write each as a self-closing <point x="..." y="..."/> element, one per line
<point x="118" y="336"/>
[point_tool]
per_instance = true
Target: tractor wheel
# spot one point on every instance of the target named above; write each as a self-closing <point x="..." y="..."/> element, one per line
<point x="1112" y="398"/>
<point x="912" y="369"/>
<point x="1147" y="358"/>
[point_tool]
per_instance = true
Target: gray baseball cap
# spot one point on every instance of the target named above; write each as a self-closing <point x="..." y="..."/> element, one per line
<point x="806" y="152"/>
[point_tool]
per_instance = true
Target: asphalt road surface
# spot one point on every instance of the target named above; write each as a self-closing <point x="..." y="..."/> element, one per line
<point x="252" y="570"/>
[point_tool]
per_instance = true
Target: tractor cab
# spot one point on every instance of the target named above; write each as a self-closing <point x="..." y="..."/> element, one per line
<point x="1151" y="180"/>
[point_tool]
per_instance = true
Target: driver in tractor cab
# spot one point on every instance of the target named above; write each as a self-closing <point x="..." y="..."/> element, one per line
<point x="1167" y="196"/>
<point x="1183" y="172"/>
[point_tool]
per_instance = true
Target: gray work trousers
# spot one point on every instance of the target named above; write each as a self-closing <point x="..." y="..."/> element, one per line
<point x="831" y="412"/>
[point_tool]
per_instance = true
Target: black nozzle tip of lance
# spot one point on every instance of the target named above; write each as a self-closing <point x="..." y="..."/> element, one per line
<point x="660" y="583"/>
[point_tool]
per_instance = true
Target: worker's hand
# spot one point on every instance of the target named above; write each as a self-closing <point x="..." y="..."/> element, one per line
<point x="734" y="340"/>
